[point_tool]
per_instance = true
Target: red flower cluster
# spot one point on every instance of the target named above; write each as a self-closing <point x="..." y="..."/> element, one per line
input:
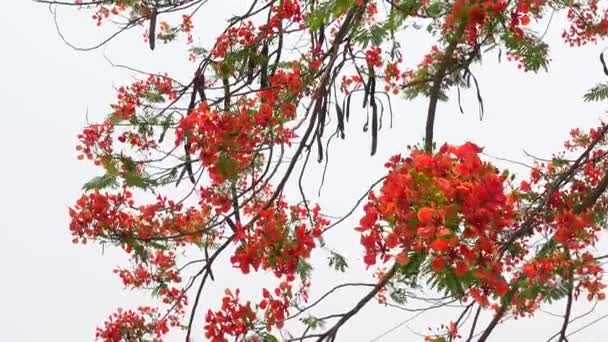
<point x="115" y="217"/>
<point x="143" y="324"/>
<point x="187" y="27"/>
<point x="96" y="141"/>
<point x="279" y="240"/>
<point x="160" y="269"/>
<point x="450" y="205"/>
<point x="288" y="10"/>
<point x="572" y="229"/>
<point x="234" y="319"/>
<point x="228" y="142"/>
<point x="373" y="57"/>
<point x="275" y="308"/>
<point x="587" y="23"/>
<point x="243" y="35"/>
<point x="103" y="13"/>
<point x="474" y="15"/>
<point x="153" y="89"/>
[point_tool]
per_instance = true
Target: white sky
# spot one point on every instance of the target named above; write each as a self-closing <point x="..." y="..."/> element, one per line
<point x="51" y="290"/>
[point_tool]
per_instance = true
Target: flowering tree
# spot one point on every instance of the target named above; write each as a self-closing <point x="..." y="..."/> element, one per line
<point x="275" y="87"/>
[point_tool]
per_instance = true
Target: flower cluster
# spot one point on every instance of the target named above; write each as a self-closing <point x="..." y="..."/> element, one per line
<point x="152" y="89"/>
<point x="587" y="23"/>
<point x="234" y="319"/>
<point x="228" y="142"/>
<point x="115" y="217"/>
<point x="474" y="15"/>
<point x="450" y="205"/>
<point x="96" y="140"/>
<point x="279" y="240"/>
<point x="144" y="324"/>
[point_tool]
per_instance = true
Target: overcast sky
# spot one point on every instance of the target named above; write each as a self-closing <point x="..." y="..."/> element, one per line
<point x="52" y="290"/>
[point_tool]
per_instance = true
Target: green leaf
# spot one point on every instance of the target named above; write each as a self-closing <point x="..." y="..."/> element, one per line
<point x="227" y="166"/>
<point x="269" y="338"/>
<point x="304" y="269"/>
<point x="137" y="180"/>
<point x="313" y="322"/>
<point x="153" y="96"/>
<point x="128" y="164"/>
<point x="100" y="182"/>
<point x="337" y="261"/>
<point x="453" y="284"/>
<point x="597" y="93"/>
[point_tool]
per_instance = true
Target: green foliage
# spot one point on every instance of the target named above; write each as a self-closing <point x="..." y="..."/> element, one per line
<point x="557" y="292"/>
<point x="101" y="182"/>
<point x="447" y="282"/>
<point x="375" y="35"/>
<point x="136" y="180"/>
<point x="326" y="12"/>
<point x="597" y="93"/>
<point x="153" y="96"/>
<point x="227" y="166"/>
<point x="313" y="322"/>
<point x="399" y="295"/>
<point x="132" y="177"/>
<point x="304" y="269"/>
<point x="266" y="337"/>
<point x="412" y="269"/>
<point x="531" y="50"/>
<point x="337" y="261"/>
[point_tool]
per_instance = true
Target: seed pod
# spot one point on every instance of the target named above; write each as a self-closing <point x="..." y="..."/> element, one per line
<point x="340" y="115"/>
<point x="264" y="66"/>
<point x="603" y="63"/>
<point x="152" y="29"/>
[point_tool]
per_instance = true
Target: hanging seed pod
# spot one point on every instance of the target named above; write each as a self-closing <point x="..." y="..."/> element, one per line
<point x="152" y="29"/>
<point x="479" y="98"/>
<point x="347" y="111"/>
<point x="320" y="113"/>
<point x="374" y="106"/>
<point x="366" y="92"/>
<point x="323" y="114"/>
<point x="264" y="66"/>
<point x="381" y="113"/>
<point x="459" y="99"/>
<point x="390" y="109"/>
<point x="603" y="63"/>
<point x="250" y="67"/>
<point x="340" y="116"/>
<point x="321" y="35"/>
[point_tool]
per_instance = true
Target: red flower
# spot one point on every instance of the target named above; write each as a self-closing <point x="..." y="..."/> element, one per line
<point x="440" y="245"/>
<point x="438" y="264"/>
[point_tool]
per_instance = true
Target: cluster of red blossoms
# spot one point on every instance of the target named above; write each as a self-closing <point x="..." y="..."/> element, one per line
<point x="237" y="320"/>
<point x="154" y="89"/>
<point x="234" y="319"/>
<point x="96" y="140"/>
<point x="394" y="78"/>
<point x="144" y="324"/>
<point x="474" y="15"/>
<point x="451" y="206"/>
<point x="574" y="230"/>
<point x="115" y="217"/>
<point x="280" y="239"/>
<point x="454" y="208"/>
<point x="248" y="35"/>
<point x="587" y="23"/>
<point x="229" y="142"/>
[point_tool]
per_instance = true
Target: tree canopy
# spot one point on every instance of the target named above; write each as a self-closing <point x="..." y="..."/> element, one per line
<point x="192" y="174"/>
